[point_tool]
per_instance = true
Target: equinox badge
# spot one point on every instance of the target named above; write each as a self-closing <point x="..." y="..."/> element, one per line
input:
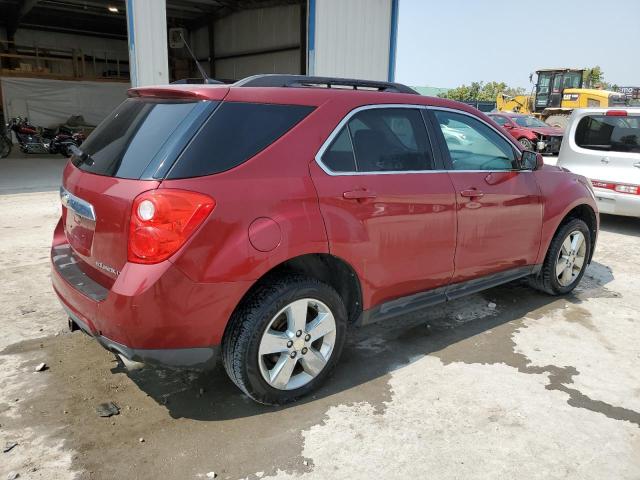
<point x="107" y="268"/>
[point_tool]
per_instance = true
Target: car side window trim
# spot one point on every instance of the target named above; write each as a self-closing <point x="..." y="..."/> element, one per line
<point x="440" y="155"/>
<point x="445" y="151"/>
<point x="336" y="131"/>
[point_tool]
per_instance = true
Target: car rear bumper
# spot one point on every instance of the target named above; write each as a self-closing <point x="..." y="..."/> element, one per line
<point x="615" y="203"/>
<point x="152" y="313"/>
<point x="199" y="358"/>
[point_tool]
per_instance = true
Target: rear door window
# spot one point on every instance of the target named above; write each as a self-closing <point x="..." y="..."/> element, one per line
<point x="233" y="134"/>
<point x="381" y="140"/>
<point x="127" y="141"/>
<point x="609" y="133"/>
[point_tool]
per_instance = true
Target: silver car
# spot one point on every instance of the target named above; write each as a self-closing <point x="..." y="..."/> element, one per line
<point x="603" y="144"/>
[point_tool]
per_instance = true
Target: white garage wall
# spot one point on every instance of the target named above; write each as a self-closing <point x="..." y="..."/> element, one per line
<point x="261" y="31"/>
<point x="48" y="103"/>
<point x="352" y="38"/>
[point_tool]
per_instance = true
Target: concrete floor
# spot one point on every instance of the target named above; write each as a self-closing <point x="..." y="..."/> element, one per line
<point x="537" y="387"/>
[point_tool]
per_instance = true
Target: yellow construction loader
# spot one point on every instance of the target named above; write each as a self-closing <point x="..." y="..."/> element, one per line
<point x="556" y="93"/>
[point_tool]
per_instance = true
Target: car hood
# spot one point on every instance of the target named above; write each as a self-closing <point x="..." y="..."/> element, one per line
<point x="549" y="131"/>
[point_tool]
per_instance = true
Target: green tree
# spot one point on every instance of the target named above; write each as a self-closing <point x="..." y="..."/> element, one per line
<point x="592" y="77"/>
<point x="482" y="92"/>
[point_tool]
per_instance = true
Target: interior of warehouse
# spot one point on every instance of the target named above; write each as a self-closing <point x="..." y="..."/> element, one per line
<point x="72" y="58"/>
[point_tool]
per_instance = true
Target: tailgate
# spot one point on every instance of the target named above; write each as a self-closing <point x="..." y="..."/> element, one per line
<point x="95" y="213"/>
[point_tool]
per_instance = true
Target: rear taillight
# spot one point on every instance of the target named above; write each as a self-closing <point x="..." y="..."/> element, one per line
<point x="627" y="189"/>
<point x="616" y="113"/>
<point x="617" y="187"/>
<point x="162" y="221"/>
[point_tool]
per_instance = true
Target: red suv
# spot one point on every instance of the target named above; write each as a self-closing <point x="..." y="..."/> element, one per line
<point x="258" y="221"/>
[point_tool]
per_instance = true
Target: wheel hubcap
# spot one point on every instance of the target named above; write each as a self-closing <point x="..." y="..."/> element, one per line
<point x="571" y="258"/>
<point x="297" y="344"/>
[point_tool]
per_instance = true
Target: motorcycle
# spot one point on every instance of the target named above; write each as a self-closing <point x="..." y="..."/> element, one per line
<point x="63" y="139"/>
<point x="34" y="140"/>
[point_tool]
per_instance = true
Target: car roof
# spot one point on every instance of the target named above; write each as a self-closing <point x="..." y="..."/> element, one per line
<point x="634" y="110"/>
<point x="301" y="95"/>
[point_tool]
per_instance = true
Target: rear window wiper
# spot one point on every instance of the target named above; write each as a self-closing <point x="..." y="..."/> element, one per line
<point x="83" y="157"/>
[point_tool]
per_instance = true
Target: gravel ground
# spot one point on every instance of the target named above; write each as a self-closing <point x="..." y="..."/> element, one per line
<point x="535" y="387"/>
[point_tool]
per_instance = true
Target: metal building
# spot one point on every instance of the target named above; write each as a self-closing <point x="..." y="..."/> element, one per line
<point x="348" y="38"/>
<point x="88" y="52"/>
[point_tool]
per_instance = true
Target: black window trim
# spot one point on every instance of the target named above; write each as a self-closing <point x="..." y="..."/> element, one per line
<point x="441" y="159"/>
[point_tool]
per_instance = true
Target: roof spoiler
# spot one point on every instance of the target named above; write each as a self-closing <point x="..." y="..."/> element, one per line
<point x="303" y="81"/>
<point x="195" y="81"/>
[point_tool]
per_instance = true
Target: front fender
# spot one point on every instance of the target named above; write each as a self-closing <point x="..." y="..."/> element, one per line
<point x="562" y="192"/>
<point x="528" y="134"/>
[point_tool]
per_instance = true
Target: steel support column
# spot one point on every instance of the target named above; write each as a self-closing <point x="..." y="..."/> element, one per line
<point x="147" y="30"/>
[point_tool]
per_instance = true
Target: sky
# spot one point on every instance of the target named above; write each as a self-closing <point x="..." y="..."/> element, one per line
<point x="447" y="43"/>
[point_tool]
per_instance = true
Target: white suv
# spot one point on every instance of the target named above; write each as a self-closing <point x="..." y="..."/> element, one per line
<point x="603" y="144"/>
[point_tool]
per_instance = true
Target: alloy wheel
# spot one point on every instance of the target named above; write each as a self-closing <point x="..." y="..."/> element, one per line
<point x="297" y="344"/>
<point x="571" y="258"/>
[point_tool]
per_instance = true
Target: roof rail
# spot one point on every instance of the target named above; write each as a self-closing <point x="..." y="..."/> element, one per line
<point x="301" y="81"/>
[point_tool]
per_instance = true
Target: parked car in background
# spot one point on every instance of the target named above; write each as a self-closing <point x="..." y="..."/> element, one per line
<point x="532" y="133"/>
<point x="604" y="145"/>
<point x="276" y="212"/>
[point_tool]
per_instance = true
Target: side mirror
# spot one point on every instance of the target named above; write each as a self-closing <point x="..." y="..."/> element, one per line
<point x="508" y="126"/>
<point x="531" y="160"/>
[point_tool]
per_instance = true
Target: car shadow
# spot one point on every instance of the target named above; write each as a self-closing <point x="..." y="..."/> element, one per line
<point x="22" y="173"/>
<point x="618" y="224"/>
<point x="371" y="353"/>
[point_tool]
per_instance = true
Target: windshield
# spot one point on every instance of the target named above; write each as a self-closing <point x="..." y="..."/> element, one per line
<point x="529" y="122"/>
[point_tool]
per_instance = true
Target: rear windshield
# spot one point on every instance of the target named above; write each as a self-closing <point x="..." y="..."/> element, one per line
<point x="614" y="134"/>
<point x="233" y="134"/>
<point x="135" y="133"/>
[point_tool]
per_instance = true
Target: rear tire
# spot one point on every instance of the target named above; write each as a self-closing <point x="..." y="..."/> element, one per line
<point x="270" y="350"/>
<point x="566" y="259"/>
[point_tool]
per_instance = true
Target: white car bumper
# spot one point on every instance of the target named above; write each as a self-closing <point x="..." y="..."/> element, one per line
<point x="616" y="203"/>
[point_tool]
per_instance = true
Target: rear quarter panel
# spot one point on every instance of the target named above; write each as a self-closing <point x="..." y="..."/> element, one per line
<point x="274" y="184"/>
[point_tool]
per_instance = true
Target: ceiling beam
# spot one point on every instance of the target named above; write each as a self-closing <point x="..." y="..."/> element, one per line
<point x="91" y="33"/>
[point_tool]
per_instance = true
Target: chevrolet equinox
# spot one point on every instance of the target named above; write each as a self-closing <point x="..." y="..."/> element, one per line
<point x="256" y="222"/>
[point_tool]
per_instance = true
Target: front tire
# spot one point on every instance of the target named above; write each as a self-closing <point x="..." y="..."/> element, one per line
<point x="566" y="259"/>
<point x="527" y="144"/>
<point x="285" y="339"/>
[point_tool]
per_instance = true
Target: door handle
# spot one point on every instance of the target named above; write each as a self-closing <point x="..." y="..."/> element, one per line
<point x="358" y="195"/>
<point x="637" y="164"/>
<point x="605" y="160"/>
<point x="472" y="193"/>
